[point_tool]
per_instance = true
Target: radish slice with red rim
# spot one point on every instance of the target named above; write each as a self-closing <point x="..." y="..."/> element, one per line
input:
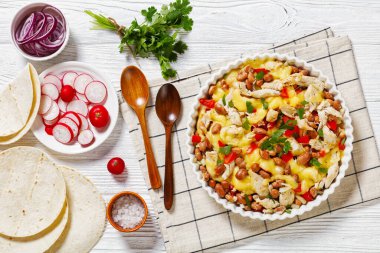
<point x="71" y="123"/>
<point x="81" y="82"/>
<point x="54" y="80"/>
<point x="69" y="78"/>
<point x="51" y="90"/>
<point x="82" y="97"/>
<point x="85" y="124"/>
<point x="96" y="92"/>
<point x="50" y="122"/>
<point x="85" y="137"/>
<point x="74" y="116"/>
<point x="52" y="113"/>
<point x="63" y="133"/>
<point x="45" y="104"/>
<point x="62" y="105"/>
<point x="78" y="106"/>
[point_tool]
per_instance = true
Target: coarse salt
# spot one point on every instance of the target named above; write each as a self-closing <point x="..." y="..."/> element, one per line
<point x="128" y="211"/>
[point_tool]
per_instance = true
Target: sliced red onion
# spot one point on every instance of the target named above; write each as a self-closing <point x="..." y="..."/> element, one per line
<point x="42" y="33"/>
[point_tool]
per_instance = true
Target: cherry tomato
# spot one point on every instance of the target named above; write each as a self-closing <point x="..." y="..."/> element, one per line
<point x="332" y="125"/>
<point x="209" y="103"/>
<point x="49" y="130"/>
<point x="322" y="153"/>
<point x="307" y="196"/>
<point x="221" y="144"/>
<point x="299" y="188"/>
<point x="196" y="139"/>
<point x="252" y="147"/>
<point x="67" y="93"/>
<point x="287" y="157"/>
<point x="303" y="139"/>
<point x="99" y="116"/>
<point x="230" y="157"/>
<point x="284" y="93"/>
<point x="116" y="165"/>
<point x="261" y="70"/>
<point x="258" y="137"/>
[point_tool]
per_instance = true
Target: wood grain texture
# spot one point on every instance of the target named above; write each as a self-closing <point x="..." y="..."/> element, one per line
<point x="222" y="29"/>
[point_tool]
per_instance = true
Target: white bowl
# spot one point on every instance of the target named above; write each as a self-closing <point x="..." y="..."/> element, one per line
<point x="112" y="105"/>
<point x="345" y="160"/>
<point x="20" y="16"/>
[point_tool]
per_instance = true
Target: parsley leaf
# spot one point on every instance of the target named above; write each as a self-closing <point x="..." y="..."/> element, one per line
<point x="260" y="75"/>
<point x="315" y="162"/>
<point x="219" y="162"/>
<point x="300" y="112"/>
<point x="273" y="140"/>
<point x="287" y="147"/>
<point x="322" y="170"/>
<point x="224" y="99"/>
<point x="320" y="133"/>
<point x="288" y="210"/>
<point x="156" y="35"/>
<point x="247" y="201"/>
<point x="249" y="106"/>
<point x="231" y="104"/>
<point x="304" y="102"/>
<point x="265" y="103"/>
<point x="246" y="124"/>
<point x="225" y="150"/>
<point x="290" y="124"/>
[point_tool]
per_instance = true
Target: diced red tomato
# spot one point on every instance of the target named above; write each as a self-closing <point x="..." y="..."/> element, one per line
<point x="230" y="157"/>
<point x="291" y="132"/>
<point x="196" y="139"/>
<point x="298" y="90"/>
<point x="285" y="118"/>
<point x="341" y="146"/>
<point x="298" y="189"/>
<point x="221" y="144"/>
<point x="284" y="93"/>
<point x="209" y="103"/>
<point x="322" y="153"/>
<point x="332" y="125"/>
<point x="271" y="125"/>
<point x="258" y="137"/>
<point x="303" y="139"/>
<point x="287" y="157"/>
<point x="307" y="196"/>
<point x="260" y="69"/>
<point x="252" y="147"/>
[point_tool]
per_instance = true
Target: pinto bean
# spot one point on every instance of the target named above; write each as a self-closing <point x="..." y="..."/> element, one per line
<point x="220" y="109"/>
<point x="274" y="193"/>
<point x="280" y="209"/>
<point x="328" y="95"/>
<point x="264" y="174"/>
<point x="202" y="168"/>
<point x="336" y="104"/>
<point x="303" y="158"/>
<point x="256" y="207"/>
<point x="305" y="72"/>
<point x="251" y="77"/>
<point x="216" y="128"/>
<point x="312" y="134"/>
<point x="206" y="176"/>
<point x="287" y="169"/>
<point x="241" y="174"/>
<point x="295" y="69"/>
<point x="262" y="141"/>
<point x="297" y="202"/>
<point x="242" y="75"/>
<point x="278" y="183"/>
<point x="239" y="160"/>
<point x="212" y="90"/>
<point x="211" y="183"/>
<point x="241" y="199"/>
<point x="202" y="146"/>
<point x="208" y="143"/>
<point x="255" y="167"/>
<point x="310" y="117"/>
<point x="243" y="165"/>
<point x="296" y="177"/>
<point x="259" y="130"/>
<point x="198" y="154"/>
<point x="225" y="185"/>
<point x="268" y="78"/>
<point x="219" y="190"/>
<point x="229" y="197"/>
<point x="313" y="192"/>
<point x="278" y="161"/>
<point x="236" y="150"/>
<point x="259" y="83"/>
<point x="249" y="85"/>
<point x="272" y="152"/>
<point x="219" y="170"/>
<point x="264" y="154"/>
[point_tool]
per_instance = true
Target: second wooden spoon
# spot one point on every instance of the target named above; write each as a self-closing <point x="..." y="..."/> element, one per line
<point x="168" y="108"/>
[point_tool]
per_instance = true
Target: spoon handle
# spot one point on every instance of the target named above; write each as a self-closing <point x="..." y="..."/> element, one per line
<point x="169" y="180"/>
<point x="154" y="176"/>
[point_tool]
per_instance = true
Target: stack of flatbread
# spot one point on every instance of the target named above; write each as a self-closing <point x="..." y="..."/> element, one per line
<point x="19" y="103"/>
<point x="45" y="207"/>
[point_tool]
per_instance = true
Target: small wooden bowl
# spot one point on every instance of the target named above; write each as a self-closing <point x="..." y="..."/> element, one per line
<point x="110" y="207"/>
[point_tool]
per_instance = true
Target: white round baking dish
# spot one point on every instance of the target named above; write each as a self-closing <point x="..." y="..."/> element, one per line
<point x="345" y="160"/>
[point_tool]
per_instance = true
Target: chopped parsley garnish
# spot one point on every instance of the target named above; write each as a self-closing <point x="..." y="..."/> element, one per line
<point x="265" y="103"/>
<point x="304" y="102"/>
<point x="246" y="124"/>
<point x="231" y="104"/>
<point x="300" y="112"/>
<point x="322" y="170"/>
<point x="247" y="201"/>
<point x="288" y="210"/>
<point x="224" y="99"/>
<point x="273" y="140"/>
<point x="225" y="150"/>
<point x="249" y="106"/>
<point x="316" y="163"/>
<point x="290" y="124"/>
<point x="260" y="75"/>
<point x="320" y="133"/>
<point x="219" y="162"/>
<point x="287" y="147"/>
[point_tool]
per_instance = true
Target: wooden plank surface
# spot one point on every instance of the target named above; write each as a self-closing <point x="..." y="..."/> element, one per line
<point x="222" y="29"/>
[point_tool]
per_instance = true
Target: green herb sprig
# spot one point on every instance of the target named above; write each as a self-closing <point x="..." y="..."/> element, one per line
<point x="156" y="36"/>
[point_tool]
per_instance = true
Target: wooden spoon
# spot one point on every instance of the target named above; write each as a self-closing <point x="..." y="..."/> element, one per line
<point x="168" y="107"/>
<point x="135" y="90"/>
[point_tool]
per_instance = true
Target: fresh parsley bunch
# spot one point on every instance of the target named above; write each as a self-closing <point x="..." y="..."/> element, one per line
<point x="157" y="35"/>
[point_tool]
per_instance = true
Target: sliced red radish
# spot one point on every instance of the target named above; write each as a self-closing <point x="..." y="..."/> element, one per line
<point x="85" y="137"/>
<point x="85" y="123"/>
<point x="50" y="122"/>
<point x="82" y="81"/>
<point x="63" y="133"/>
<point x="69" y="78"/>
<point x="71" y="123"/>
<point x="82" y="97"/>
<point x="78" y="106"/>
<point x="74" y="116"/>
<point x="45" y="104"/>
<point x="51" y="90"/>
<point x="52" y="113"/>
<point x="62" y="105"/>
<point x="54" y="80"/>
<point x="96" y="92"/>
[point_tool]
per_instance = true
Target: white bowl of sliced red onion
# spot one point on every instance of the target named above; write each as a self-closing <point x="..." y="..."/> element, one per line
<point x="39" y="31"/>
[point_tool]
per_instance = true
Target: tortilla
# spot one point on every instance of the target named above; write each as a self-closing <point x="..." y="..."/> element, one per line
<point x="5" y="140"/>
<point x="37" y="243"/>
<point x="87" y="214"/>
<point x="32" y="192"/>
<point x="16" y="101"/>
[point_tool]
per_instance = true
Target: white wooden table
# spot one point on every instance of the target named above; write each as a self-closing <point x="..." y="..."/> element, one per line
<point x="222" y="29"/>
